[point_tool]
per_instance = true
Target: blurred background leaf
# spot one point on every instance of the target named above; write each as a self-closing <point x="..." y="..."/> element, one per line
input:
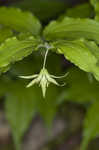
<point x="81" y="87"/>
<point x="91" y="125"/>
<point x="43" y="9"/>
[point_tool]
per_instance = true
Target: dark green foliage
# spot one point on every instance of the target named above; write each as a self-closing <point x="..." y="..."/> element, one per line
<point x="44" y="10"/>
<point x="74" y="35"/>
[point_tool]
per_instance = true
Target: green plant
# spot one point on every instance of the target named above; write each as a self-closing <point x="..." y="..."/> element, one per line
<point x="74" y="35"/>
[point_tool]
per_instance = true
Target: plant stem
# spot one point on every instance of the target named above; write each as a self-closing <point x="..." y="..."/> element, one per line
<point x="45" y="58"/>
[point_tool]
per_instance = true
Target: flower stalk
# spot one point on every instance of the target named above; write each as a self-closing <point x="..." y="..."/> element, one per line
<point x="43" y="78"/>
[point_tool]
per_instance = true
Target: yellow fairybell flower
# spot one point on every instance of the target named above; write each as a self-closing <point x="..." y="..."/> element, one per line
<point x="43" y="78"/>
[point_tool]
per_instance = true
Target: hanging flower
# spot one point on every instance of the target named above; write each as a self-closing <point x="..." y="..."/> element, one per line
<point x="43" y="78"/>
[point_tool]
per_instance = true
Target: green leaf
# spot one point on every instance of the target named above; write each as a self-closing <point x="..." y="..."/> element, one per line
<point x="4" y="34"/>
<point x="97" y="12"/>
<point x="72" y="28"/>
<point x="48" y="107"/>
<point x="22" y="104"/>
<point x="19" y="110"/>
<point x="82" y="53"/>
<point x="82" y="87"/>
<point x="44" y="10"/>
<point x="3" y="86"/>
<point x="19" y="20"/>
<point x="91" y="125"/>
<point x="13" y="50"/>
<point x="76" y="12"/>
<point x="17" y="93"/>
<point x="95" y="4"/>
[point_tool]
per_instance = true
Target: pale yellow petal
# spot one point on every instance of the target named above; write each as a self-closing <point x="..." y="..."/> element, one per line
<point x="29" y="77"/>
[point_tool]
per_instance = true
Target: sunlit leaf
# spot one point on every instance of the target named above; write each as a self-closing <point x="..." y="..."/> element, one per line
<point x="82" y="53"/>
<point x="19" y="20"/>
<point x="13" y="50"/>
<point x="72" y="28"/>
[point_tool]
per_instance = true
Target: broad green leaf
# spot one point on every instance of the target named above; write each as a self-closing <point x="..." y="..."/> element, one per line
<point x="19" y="110"/>
<point x="19" y="20"/>
<point x="43" y="9"/>
<point x="91" y="125"/>
<point x="76" y="12"/>
<point x="48" y="107"/>
<point x="82" y="87"/>
<point x="72" y="28"/>
<point x="4" y="34"/>
<point x="13" y="50"/>
<point x="22" y="104"/>
<point x="82" y="53"/>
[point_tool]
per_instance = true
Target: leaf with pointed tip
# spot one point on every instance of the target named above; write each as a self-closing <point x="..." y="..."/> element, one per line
<point x="19" y="20"/>
<point x="47" y="107"/>
<point x="13" y="50"/>
<point x="91" y="125"/>
<point x="22" y="104"/>
<point x="84" y="54"/>
<point x="72" y="28"/>
<point x="19" y="110"/>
